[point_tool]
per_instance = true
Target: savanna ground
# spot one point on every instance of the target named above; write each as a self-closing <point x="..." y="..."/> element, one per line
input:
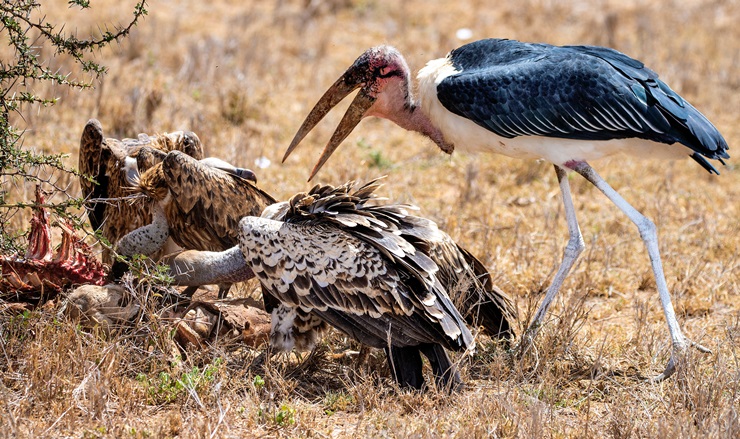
<point x="243" y="74"/>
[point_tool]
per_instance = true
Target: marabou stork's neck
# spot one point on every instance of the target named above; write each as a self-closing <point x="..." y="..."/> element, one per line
<point x="395" y="101"/>
<point x="413" y="118"/>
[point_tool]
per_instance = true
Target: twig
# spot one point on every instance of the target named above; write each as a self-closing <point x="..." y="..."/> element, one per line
<point x="55" y="422"/>
<point x="221" y="416"/>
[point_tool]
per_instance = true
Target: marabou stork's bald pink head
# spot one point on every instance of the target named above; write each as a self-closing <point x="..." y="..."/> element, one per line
<point x="383" y="77"/>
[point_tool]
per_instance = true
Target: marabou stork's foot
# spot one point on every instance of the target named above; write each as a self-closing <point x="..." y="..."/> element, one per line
<point x="680" y="350"/>
<point x="527" y="339"/>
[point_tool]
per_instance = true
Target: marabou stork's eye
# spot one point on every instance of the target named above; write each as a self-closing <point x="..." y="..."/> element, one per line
<point x="387" y="72"/>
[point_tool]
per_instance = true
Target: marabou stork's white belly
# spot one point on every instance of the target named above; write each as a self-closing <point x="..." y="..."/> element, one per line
<point x="466" y="135"/>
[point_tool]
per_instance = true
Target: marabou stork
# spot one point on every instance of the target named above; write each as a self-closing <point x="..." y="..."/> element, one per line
<point x="566" y="105"/>
<point x="104" y="160"/>
<point x="376" y="272"/>
<point x="196" y="203"/>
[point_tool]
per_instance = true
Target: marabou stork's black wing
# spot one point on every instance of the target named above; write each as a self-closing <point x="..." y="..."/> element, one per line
<point x="574" y="92"/>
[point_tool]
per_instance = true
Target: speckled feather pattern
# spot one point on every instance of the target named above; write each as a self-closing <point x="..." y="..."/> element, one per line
<point x="363" y="269"/>
<point x="293" y="327"/>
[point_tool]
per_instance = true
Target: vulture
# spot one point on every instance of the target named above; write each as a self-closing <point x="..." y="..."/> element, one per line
<point x="372" y="270"/>
<point x="196" y="203"/>
<point x="104" y="182"/>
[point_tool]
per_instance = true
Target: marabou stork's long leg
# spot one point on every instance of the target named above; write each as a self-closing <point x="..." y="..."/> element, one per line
<point x="650" y="238"/>
<point x="572" y="250"/>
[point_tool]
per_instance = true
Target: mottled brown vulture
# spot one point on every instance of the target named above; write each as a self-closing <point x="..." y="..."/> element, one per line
<point x="104" y="160"/>
<point x="197" y="203"/>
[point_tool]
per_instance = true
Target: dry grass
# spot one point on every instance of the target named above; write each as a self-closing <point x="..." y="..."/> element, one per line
<point x="244" y="74"/>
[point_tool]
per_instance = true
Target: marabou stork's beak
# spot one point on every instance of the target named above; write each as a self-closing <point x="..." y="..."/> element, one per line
<point x="355" y="77"/>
